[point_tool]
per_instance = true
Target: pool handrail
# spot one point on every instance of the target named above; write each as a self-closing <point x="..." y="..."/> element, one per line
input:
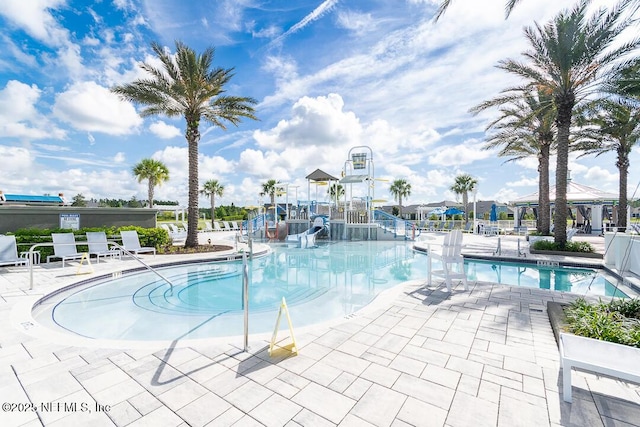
<point x="31" y="255"/>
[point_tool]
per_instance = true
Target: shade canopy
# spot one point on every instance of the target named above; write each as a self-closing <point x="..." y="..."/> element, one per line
<point x="320" y="175"/>
<point x="576" y="194"/>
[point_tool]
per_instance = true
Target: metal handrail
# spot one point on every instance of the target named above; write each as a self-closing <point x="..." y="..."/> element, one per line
<point x="122" y="248"/>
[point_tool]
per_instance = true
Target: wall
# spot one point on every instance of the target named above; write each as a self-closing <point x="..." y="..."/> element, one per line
<point x="13" y="218"/>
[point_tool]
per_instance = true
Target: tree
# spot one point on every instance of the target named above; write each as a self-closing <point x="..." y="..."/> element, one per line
<point x="571" y="58"/>
<point x="212" y="188"/>
<point x="79" y="200"/>
<point x="186" y="85"/>
<point x="446" y="3"/>
<point x="271" y="189"/>
<point x="335" y="191"/>
<point x="154" y="171"/>
<point x="612" y="125"/>
<point x="462" y="185"/>
<point x="400" y="188"/>
<point x="526" y="128"/>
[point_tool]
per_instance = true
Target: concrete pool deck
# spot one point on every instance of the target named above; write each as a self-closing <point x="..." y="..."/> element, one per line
<point x="417" y="356"/>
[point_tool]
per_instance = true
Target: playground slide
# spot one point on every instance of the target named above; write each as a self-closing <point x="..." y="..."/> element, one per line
<point x="307" y="239"/>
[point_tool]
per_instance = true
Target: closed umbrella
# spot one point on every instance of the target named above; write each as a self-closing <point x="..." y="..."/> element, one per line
<point x="493" y="217"/>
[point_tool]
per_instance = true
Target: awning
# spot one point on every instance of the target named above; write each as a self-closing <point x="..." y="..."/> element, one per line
<point x="354" y="179"/>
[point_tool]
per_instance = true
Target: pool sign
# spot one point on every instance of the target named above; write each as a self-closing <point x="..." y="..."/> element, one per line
<point x="70" y="221"/>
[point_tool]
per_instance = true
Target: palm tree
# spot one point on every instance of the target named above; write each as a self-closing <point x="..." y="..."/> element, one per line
<point x="335" y="191"/>
<point x="526" y="128"/>
<point x="462" y="185"/>
<point x="187" y="85"/>
<point x="446" y="3"/>
<point x="572" y="57"/>
<point x="212" y="188"/>
<point x="400" y="188"/>
<point x="612" y="125"/>
<point x="271" y="189"/>
<point x="154" y="171"/>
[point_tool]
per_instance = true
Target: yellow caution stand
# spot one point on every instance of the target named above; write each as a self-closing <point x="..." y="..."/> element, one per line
<point x="85" y="257"/>
<point x="293" y="347"/>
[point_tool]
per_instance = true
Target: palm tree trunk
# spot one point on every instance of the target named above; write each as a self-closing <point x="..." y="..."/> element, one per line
<point x="150" y="193"/>
<point x="213" y="209"/>
<point x="465" y="202"/>
<point x="623" y="168"/>
<point x="544" y="215"/>
<point x="565" y="108"/>
<point x="192" y="136"/>
<point x="400" y="203"/>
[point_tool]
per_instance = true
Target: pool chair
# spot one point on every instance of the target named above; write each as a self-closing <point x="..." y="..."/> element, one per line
<point x="226" y="226"/>
<point x="99" y="246"/>
<point x="234" y="225"/>
<point x="207" y="227"/>
<point x="216" y="226"/>
<point x="9" y="252"/>
<point x="131" y="243"/>
<point x="64" y="247"/>
<point x="468" y="227"/>
<point x="451" y="259"/>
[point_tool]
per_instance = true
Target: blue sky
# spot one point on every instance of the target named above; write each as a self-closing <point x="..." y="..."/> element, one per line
<point x="328" y="75"/>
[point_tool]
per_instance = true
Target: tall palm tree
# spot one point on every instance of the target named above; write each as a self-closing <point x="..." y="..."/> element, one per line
<point x="571" y="58"/>
<point x="154" y="171"/>
<point x="212" y="188"/>
<point x="271" y="189"/>
<point x="510" y="4"/>
<point x="463" y="184"/>
<point x="400" y="188"/>
<point x="188" y="85"/>
<point x="526" y="128"/>
<point x="612" y="125"/>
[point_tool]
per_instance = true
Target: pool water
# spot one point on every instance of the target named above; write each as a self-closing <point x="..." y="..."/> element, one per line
<point x="319" y="284"/>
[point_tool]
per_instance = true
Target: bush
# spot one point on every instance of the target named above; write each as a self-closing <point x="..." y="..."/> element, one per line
<point x="546" y="245"/>
<point x="618" y="321"/>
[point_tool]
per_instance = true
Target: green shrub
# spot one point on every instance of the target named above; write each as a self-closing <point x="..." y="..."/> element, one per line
<point x="546" y="245"/>
<point x="618" y="321"/>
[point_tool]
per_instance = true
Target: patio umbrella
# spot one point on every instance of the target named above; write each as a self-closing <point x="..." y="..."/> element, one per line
<point x="493" y="217"/>
<point x="453" y="211"/>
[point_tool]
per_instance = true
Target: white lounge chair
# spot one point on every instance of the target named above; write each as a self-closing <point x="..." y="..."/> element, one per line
<point x="216" y="226"/>
<point x="234" y="225"/>
<point x="131" y="243"/>
<point x="99" y="246"/>
<point x="64" y="247"/>
<point x="450" y="257"/>
<point x="226" y="226"/>
<point x="9" y="252"/>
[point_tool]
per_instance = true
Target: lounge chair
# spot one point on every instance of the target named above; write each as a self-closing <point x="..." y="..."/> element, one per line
<point x="99" y="246"/>
<point x="468" y="227"/>
<point x="216" y="227"/>
<point x="226" y="225"/>
<point x="9" y="252"/>
<point x="64" y="247"/>
<point x="450" y="256"/>
<point x="131" y="243"/>
<point x="208" y="227"/>
<point x="570" y="233"/>
<point x="234" y="225"/>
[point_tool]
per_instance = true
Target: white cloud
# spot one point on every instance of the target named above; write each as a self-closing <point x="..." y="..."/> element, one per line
<point x="314" y="15"/>
<point x="164" y="130"/>
<point x="600" y="175"/>
<point x="523" y="182"/>
<point x="14" y="159"/>
<point x="19" y="116"/>
<point x="119" y="157"/>
<point x="458" y="155"/>
<point x="90" y="107"/>
<point x="357" y="22"/>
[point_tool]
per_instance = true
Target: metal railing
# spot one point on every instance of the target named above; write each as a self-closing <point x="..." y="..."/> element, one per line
<point x="31" y="255"/>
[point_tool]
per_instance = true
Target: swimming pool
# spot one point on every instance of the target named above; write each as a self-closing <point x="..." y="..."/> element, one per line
<point x="328" y="282"/>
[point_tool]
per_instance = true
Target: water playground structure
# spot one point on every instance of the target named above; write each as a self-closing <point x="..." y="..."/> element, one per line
<point x="349" y="215"/>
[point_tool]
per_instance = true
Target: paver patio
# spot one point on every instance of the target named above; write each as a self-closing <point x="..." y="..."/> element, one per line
<point x="417" y="356"/>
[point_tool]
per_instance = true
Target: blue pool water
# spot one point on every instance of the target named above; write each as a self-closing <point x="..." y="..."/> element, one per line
<point x="320" y="284"/>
